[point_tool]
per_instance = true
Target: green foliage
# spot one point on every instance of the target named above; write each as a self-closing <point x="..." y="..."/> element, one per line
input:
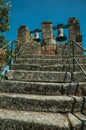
<point x="4" y="20"/>
<point x="3" y="40"/>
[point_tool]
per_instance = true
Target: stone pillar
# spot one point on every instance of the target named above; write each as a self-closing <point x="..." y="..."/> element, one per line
<point x="47" y="32"/>
<point x="74" y="30"/>
<point x="25" y="43"/>
<point x="75" y="34"/>
<point x="49" y="43"/>
<point x="24" y="34"/>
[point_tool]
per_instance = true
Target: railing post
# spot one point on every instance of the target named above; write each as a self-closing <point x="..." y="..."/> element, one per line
<point x="73" y="55"/>
<point x="12" y="48"/>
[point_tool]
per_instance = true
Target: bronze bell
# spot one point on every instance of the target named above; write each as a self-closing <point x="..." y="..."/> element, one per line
<point x="37" y="37"/>
<point x="61" y="36"/>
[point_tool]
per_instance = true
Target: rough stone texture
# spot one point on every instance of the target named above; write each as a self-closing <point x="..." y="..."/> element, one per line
<point x="43" y="88"/>
<point x="37" y="102"/>
<point x="26" y="43"/>
<point x="79" y="77"/>
<point x="47" y="31"/>
<point x="82" y="117"/>
<point x="30" y="48"/>
<point x="74" y="122"/>
<point x="67" y="49"/>
<point x="58" y="67"/>
<point x="49" y="62"/>
<point x="77" y="104"/>
<point x="24" y="34"/>
<point x="82" y="88"/>
<point x="75" y="33"/>
<point x="39" y="61"/>
<point x="31" y="87"/>
<point x="84" y="105"/>
<point x="59" y="56"/>
<point x="44" y="83"/>
<point x="48" y="42"/>
<point x="74" y="29"/>
<point x="43" y="76"/>
<point x="20" y="120"/>
<point x="50" y="49"/>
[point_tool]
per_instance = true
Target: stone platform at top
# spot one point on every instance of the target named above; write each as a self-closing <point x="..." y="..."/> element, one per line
<point x="48" y="45"/>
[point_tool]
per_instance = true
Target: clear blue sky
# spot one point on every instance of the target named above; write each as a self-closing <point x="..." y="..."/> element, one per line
<point x="33" y="12"/>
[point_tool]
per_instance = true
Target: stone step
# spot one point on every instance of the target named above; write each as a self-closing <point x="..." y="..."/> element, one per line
<point x="77" y="121"/>
<point x="39" y="56"/>
<point x="23" y="120"/>
<point x="79" y="76"/>
<point x="47" y="56"/>
<point x="43" y="88"/>
<point x="39" y="76"/>
<point x="45" y="62"/>
<point x="42" y="102"/>
<point x="35" y="67"/>
<point x="38" y="61"/>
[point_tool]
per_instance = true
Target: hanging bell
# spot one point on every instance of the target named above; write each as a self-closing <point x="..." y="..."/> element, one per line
<point x="61" y="36"/>
<point x="37" y="37"/>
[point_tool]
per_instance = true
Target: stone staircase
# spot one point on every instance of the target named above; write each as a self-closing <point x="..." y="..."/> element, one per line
<point x="43" y="93"/>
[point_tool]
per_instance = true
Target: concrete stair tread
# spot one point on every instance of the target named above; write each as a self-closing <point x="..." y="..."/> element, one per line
<point x="38" y="82"/>
<point x="43" y="88"/>
<point x="43" y="103"/>
<point x="40" y="120"/>
<point x="48" y="61"/>
<point x="40" y="97"/>
<point x="48" y="56"/>
<point x="42" y="76"/>
<point x="55" y="67"/>
<point x="76" y="119"/>
<point x="45" y="76"/>
<point x="35" y="117"/>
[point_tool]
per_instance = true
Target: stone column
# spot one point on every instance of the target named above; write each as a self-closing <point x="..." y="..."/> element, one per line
<point x="75" y="33"/>
<point x="49" y="43"/>
<point x="25" y="43"/>
<point x="47" y="32"/>
<point x="74" y="30"/>
<point x="24" y="34"/>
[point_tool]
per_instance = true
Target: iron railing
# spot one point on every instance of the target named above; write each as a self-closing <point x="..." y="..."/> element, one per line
<point x="75" y="61"/>
<point x="9" y="50"/>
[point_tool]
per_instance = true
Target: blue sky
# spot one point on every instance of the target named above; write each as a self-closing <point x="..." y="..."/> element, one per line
<point x="34" y="12"/>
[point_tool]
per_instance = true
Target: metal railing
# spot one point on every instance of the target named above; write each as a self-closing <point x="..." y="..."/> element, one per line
<point x="75" y="61"/>
<point x="9" y="52"/>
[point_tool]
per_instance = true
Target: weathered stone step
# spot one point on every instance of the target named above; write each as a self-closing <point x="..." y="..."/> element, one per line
<point x="79" y="76"/>
<point x="77" y="121"/>
<point x="48" y="56"/>
<point x="43" y="88"/>
<point x="40" y="56"/>
<point x="10" y="119"/>
<point x="39" y="61"/>
<point x="42" y="103"/>
<point x="35" y="67"/>
<point x="39" y="76"/>
<point x="23" y="120"/>
<point x="45" y="62"/>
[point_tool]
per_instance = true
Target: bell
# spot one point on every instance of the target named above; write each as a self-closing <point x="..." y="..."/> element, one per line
<point x="37" y="37"/>
<point x="61" y="36"/>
